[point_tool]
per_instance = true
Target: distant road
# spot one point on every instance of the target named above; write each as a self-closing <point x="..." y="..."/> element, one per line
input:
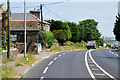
<point x="78" y="65"/>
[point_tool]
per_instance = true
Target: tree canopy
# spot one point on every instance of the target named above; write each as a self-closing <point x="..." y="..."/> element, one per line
<point x="117" y="28"/>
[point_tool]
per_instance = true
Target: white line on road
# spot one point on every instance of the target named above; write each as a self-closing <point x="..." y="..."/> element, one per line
<point x="87" y="66"/>
<point x="45" y="70"/>
<point x="99" y="66"/>
<point x="113" y="52"/>
<point x="59" y="56"/>
<point x="41" y="78"/>
<point x="50" y="63"/>
<point x="55" y="58"/>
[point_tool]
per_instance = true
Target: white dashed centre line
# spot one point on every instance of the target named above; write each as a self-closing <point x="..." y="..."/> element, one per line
<point x="50" y="63"/>
<point x="41" y="78"/>
<point x="55" y="58"/>
<point x="59" y="56"/>
<point x="45" y="70"/>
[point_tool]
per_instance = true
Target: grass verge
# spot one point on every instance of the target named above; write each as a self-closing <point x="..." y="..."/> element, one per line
<point x="9" y="72"/>
<point x="27" y="61"/>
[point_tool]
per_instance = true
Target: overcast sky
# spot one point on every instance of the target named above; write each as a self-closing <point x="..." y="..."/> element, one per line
<point x="102" y="12"/>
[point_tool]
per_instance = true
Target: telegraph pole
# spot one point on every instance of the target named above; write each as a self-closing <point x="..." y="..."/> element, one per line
<point x="8" y="13"/>
<point x="41" y="6"/>
<point x="25" y="27"/>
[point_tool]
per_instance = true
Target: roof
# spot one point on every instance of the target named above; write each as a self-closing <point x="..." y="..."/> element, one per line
<point x="20" y="17"/>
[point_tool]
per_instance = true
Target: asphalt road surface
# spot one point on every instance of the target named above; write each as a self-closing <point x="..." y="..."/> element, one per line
<point x="102" y="64"/>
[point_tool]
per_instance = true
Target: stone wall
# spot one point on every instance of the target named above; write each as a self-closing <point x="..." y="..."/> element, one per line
<point x="19" y="25"/>
<point x="32" y="42"/>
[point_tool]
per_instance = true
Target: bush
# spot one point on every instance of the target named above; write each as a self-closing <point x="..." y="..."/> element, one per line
<point x="69" y="43"/>
<point x="0" y="51"/>
<point x="55" y="41"/>
<point x="28" y="60"/>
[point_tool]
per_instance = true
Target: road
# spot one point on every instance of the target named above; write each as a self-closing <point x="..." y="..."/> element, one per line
<point x="99" y="64"/>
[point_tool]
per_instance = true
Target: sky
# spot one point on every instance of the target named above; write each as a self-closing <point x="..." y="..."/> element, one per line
<point x="74" y="11"/>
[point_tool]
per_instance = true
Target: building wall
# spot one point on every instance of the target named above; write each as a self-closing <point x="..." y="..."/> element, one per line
<point x="19" y="25"/>
<point x="17" y="28"/>
<point x="32" y="41"/>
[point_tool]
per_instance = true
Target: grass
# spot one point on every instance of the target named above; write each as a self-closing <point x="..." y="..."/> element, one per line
<point x="65" y="48"/>
<point x="9" y="72"/>
<point x="7" y="60"/>
<point x="27" y="61"/>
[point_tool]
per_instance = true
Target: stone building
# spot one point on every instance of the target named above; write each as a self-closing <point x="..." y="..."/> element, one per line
<point x="46" y="25"/>
<point x="17" y="31"/>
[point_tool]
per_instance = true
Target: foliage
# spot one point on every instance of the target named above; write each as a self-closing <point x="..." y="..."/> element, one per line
<point x="89" y="30"/>
<point x="4" y="40"/>
<point x="69" y="43"/>
<point x="9" y="72"/>
<point x="49" y="38"/>
<point x="45" y="38"/>
<point x="0" y="50"/>
<point x="60" y="36"/>
<point x="55" y="41"/>
<point x="117" y="28"/>
<point x="67" y="30"/>
<point x="76" y="34"/>
<point x="101" y="42"/>
<point x="28" y="60"/>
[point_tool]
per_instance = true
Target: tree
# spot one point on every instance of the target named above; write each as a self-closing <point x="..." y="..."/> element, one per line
<point x="45" y="38"/>
<point x="75" y="31"/>
<point x="89" y="30"/>
<point x="4" y="40"/>
<point x="67" y="31"/>
<point x="117" y="28"/>
<point x="60" y="36"/>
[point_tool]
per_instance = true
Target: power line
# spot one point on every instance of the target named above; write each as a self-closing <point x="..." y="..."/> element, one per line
<point x="55" y="14"/>
<point x="57" y="2"/>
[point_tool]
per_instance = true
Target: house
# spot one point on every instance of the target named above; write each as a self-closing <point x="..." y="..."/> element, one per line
<point x="36" y="13"/>
<point x="17" y="31"/>
<point x="1" y="26"/>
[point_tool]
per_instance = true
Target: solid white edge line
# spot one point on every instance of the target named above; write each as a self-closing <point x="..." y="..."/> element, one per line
<point x="41" y="78"/>
<point x="112" y="52"/>
<point x="50" y="63"/>
<point x="55" y="58"/>
<point x="100" y="67"/>
<point x="45" y="70"/>
<point x="87" y="66"/>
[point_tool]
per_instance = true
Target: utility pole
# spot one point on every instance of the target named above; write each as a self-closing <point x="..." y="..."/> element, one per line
<point x="41" y="6"/>
<point x="25" y="27"/>
<point x="8" y="13"/>
<point x="110" y="41"/>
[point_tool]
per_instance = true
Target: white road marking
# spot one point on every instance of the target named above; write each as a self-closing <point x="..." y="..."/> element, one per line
<point x="94" y="69"/>
<point x="55" y="58"/>
<point x="99" y="66"/>
<point x="41" y="78"/>
<point x="59" y="56"/>
<point x="92" y="65"/>
<point x="50" y="63"/>
<point x="45" y="70"/>
<point x="113" y="52"/>
<point x="97" y="74"/>
<point x="87" y="66"/>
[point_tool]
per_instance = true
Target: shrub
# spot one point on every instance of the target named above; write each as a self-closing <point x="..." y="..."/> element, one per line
<point x="69" y="43"/>
<point x="55" y="41"/>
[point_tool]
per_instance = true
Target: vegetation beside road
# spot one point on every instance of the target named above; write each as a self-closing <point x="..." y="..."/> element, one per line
<point x="9" y="72"/>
